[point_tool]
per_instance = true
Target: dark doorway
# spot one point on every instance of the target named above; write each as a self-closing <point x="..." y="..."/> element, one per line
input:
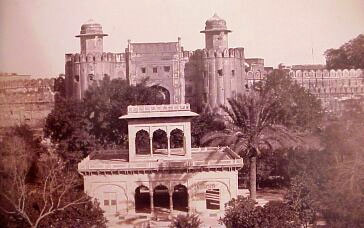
<point x="161" y="95"/>
<point x="161" y="197"/>
<point x="180" y="198"/>
<point x="142" y="199"/>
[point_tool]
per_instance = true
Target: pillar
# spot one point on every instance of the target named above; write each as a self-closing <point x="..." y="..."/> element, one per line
<point x="171" y="204"/>
<point x="169" y="145"/>
<point x="151" y="201"/>
<point x="151" y="145"/>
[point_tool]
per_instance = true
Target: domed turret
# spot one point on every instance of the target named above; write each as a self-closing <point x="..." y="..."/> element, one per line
<point x="216" y="33"/>
<point x="91" y="28"/>
<point x="91" y="38"/>
<point x="215" y="23"/>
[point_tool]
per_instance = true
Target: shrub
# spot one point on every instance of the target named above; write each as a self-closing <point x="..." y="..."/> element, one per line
<point x="186" y="221"/>
<point x="243" y="213"/>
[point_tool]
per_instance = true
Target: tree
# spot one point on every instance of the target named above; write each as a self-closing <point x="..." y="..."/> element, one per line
<point x="207" y="121"/>
<point x="297" y="108"/>
<point x="349" y="55"/>
<point x="53" y="190"/>
<point x="252" y="125"/>
<point x="243" y="213"/>
<point x="79" y="127"/>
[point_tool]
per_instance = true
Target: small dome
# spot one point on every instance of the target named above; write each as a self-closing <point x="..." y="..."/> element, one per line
<point x="91" y="27"/>
<point x="215" y="23"/>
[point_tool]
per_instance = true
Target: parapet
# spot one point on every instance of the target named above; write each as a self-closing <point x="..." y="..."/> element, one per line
<point x="226" y="53"/>
<point x="341" y="73"/>
<point x="98" y="57"/>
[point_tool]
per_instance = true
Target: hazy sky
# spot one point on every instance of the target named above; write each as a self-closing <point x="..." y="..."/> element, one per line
<point x="36" y="34"/>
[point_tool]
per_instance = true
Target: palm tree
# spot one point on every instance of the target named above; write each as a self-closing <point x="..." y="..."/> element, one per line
<point x="253" y="123"/>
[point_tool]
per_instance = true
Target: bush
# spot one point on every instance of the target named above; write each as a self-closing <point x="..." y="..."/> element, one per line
<point x="186" y="221"/>
<point x="243" y="213"/>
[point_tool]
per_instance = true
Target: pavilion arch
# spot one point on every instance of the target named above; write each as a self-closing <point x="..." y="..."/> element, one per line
<point x="160" y="141"/>
<point x="177" y="138"/>
<point x="180" y="198"/>
<point x="142" y="199"/>
<point x="161" y="197"/>
<point x="142" y="142"/>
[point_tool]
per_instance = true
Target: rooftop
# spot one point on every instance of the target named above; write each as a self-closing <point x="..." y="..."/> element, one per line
<point x="161" y="47"/>
<point x="117" y="160"/>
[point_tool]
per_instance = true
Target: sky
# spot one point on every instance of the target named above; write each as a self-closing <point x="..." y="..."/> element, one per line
<point x="35" y="35"/>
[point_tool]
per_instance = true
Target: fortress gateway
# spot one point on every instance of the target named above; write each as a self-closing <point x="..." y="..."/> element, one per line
<point x="207" y="76"/>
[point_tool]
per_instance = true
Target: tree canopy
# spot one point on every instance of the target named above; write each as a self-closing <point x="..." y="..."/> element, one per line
<point x="349" y="55"/>
<point x="81" y="126"/>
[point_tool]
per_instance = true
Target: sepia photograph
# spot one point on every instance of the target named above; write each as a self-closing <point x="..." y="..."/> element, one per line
<point x="182" y="114"/>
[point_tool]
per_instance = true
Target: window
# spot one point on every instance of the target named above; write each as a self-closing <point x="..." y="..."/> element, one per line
<point x="155" y="69"/>
<point x="106" y="203"/>
<point x="143" y="69"/>
<point x="219" y="72"/>
<point x="233" y="73"/>
<point x="213" y="199"/>
<point x="77" y="78"/>
<point x="167" y="68"/>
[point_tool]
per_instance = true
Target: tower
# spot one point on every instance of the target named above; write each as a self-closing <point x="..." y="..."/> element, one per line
<point x="91" y="38"/>
<point x="216" y="33"/>
<point x="222" y="68"/>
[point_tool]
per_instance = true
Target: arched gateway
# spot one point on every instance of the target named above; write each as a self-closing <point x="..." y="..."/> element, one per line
<point x="160" y="172"/>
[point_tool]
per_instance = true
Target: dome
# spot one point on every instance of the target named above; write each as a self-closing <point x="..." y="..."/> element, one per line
<point x="215" y="23"/>
<point x="91" y="27"/>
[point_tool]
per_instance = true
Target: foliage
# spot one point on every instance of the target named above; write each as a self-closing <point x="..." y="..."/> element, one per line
<point x="79" y="127"/>
<point x="242" y="212"/>
<point x="349" y="55"/>
<point x="186" y="221"/>
<point x="331" y="181"/>
<point x="301" y="199"/>
<point x="206" y="122"/>
<point x="253" y="125"/>
<point x="52" y="191"/>
<point x="297" y="107"/>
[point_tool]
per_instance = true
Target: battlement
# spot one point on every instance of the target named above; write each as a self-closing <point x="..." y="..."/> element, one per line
<point x="341" y="73"/>
<point x="226" y="53"/>
<point x="104" y="57"/>
<point x="28" y="84"/>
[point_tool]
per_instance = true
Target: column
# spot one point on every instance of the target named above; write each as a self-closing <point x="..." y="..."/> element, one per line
<point x="151" y="201"/>
<point x="169" y="145"/>
<point x="171" y="204"/>
<point x="151" y="146"/>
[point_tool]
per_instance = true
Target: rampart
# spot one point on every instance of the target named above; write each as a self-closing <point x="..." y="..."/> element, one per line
<point x="26" y="102"/>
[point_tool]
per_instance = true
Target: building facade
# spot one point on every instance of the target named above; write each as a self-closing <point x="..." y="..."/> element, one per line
<point x="203" y="77"/>
<point x="160" y="174"/>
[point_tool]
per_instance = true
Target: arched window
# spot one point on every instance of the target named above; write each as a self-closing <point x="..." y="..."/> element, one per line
<point x="180" y="198"/>
<point x="161" y="197"/>
<point x="142" y="199"/>
<point x="177" y="141"/>
<point x="160" y="142"/>
<point x="142" y="143"/>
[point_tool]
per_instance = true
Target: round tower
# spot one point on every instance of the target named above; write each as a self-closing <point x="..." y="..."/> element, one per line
<point x="216" y="33"/>
<point x="91" y="38"/>
<point x="222" y="68"/>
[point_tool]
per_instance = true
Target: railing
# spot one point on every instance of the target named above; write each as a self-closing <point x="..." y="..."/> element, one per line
<point x="86" y="165"/>
<point x="158" y="108"/>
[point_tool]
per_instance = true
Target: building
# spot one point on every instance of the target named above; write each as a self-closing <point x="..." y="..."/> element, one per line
<point x="203" y="77"/>
<point x="160" y="174"/>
